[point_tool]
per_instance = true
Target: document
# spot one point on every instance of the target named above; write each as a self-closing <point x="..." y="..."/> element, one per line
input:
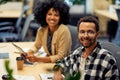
<point x="21" y="77"/>
<point x="46" y="76"/>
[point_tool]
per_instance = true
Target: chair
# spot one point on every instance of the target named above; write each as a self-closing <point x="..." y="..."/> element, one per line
<point x="114" y="49"/>
<point x="74" y="36"/>
<point x="26" y="26"/>
<point x="6" y="32"/>
<point x="117" y="36"/>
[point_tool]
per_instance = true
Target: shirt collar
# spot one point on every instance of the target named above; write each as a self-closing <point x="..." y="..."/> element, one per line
<point x="95" y="52"/>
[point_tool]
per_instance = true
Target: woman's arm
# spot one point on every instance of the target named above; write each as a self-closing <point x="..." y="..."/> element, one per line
<point x="39" y="59"/>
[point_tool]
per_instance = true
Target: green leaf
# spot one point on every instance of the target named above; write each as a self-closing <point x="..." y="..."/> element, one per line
<point x="77" y="76"/>
<point x="9" y="71"/>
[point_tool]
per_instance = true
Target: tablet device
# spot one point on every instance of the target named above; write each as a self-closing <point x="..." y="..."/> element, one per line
<point x="22" y="53"/>
<point x="19" y="48"/>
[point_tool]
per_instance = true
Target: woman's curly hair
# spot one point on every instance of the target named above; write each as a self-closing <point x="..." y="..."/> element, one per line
<point x="41" y="9"/>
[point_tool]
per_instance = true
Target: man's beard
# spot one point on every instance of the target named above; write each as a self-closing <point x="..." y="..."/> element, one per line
<point x="91" y="43"/>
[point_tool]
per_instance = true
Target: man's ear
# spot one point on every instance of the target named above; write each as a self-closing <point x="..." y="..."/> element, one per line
<point x="97" y="34"/>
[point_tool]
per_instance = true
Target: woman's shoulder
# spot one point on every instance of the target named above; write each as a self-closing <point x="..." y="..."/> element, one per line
<point x="42" y="29"/>
<point x="63" y="27"/>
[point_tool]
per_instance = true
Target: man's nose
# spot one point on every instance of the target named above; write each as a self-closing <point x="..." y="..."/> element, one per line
<point x="86" y="34"/>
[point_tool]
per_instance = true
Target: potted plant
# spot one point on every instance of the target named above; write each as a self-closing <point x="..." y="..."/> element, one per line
<point x="79" y="2"/>
<point x="77" y="76"/>
<point x="77" y="7"/>
<point x="9" y="75"/>
<point x="67" y="75"/>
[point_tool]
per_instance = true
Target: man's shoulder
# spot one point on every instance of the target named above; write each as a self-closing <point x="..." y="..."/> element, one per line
<point x="107" y="54"/>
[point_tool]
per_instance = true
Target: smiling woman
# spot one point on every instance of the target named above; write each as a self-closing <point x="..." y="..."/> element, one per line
<point x="53" y="34"/>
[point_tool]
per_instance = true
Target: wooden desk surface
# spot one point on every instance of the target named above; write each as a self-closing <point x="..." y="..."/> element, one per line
<point x="107" y="14"/>
<point x="33" y="70"/>
<point x="10" y="10"/>
<point x="10" y="13"/>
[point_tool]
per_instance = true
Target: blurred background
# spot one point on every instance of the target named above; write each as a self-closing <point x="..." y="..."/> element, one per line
<point x="17" y="21"/>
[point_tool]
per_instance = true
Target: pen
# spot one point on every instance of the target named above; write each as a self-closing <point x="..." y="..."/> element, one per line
<point x="49" y="77"/>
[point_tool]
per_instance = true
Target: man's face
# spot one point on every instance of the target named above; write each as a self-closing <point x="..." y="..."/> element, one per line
<point x="87" y="34"/>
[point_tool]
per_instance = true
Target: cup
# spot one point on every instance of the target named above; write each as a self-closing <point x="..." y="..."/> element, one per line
<point x="5" y="77"/>
<point x="20" y="62"/>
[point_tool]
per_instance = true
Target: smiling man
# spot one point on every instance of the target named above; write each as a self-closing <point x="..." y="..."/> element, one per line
<point x="94" y="62"/>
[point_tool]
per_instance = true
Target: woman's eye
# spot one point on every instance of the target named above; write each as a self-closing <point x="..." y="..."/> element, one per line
<point x="49" y="14"/>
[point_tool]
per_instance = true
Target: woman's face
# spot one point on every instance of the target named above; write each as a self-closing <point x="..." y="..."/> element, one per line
<point x="52" y="18"/>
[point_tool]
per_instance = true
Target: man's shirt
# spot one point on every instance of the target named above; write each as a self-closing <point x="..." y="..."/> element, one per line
<point x="99" y="65"/>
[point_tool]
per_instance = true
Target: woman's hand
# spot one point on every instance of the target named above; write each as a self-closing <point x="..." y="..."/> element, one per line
<point x="30" y="53"/>
<point x="30" y="56"/>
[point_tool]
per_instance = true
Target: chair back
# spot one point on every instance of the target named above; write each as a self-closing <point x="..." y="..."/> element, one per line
<point x="74" y="36"/>
<point x="26" y="25"/>
<point x="19" y="20"/>
<point x="117" y="36"/>
<point x="10" y="35"/>
<point x="114" y="49"/>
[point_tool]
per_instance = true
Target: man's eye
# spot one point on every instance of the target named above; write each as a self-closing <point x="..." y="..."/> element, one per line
<point x="82" y="32"/>
<point x="90" y="32"/>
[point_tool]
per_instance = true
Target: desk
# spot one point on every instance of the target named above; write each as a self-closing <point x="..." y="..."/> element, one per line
<point x="10" y="10"/>
<point x="107" y="14"/>
<point x="10" y="13"/>
<point x="34" y="70"/>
